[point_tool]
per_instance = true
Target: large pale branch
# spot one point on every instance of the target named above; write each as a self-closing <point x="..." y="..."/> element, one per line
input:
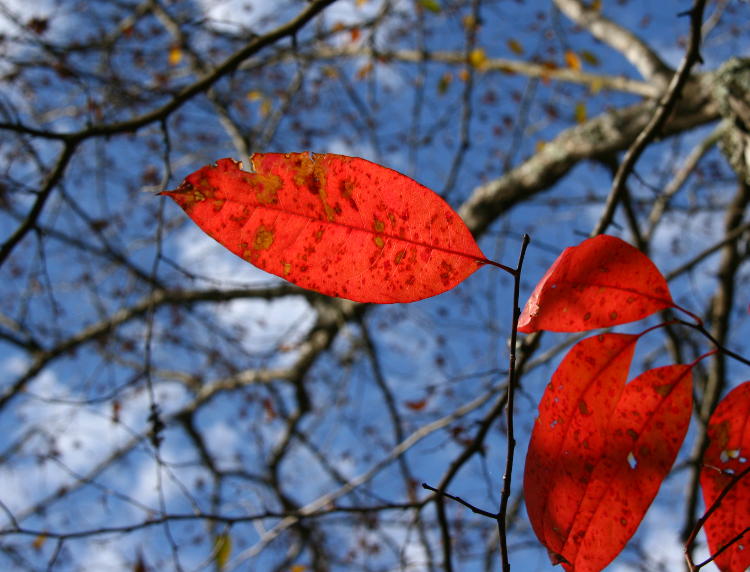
<point x="636" y="51"/>
<point x="608" y="133"/>
<point x="504" y="65"/>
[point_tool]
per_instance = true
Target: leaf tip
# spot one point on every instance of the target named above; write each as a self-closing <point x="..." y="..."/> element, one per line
<point x="524" y="325"/>
<point x="527" y="319"/>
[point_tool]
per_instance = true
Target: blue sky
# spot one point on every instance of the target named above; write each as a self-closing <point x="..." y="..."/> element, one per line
<point x="449" y="351"/>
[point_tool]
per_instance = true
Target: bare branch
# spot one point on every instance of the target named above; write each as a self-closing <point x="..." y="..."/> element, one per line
<point x="635" y="50"/>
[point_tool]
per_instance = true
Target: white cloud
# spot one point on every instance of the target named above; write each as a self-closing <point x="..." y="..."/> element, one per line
<point x="224" y="439"/>
<point x="81" y="434"/>
<point x="200" y="254"/>
<point x="268" y="323"/>
<point x="358" y="148"/>
<point x="105" y="556"/>
<point x="350" y="12"/>
<point x="237" y="15"/>
<point x="26" y="11"/>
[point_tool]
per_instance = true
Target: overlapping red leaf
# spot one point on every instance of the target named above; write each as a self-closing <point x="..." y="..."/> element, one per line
<point x="602" y="282"/>
<point x="600" y="450"/>
<point x="727" y="455"/>
<point x="569" y="436"/>
<point x="338" y="225"/>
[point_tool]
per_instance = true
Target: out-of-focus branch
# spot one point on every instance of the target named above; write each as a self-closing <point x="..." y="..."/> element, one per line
<point x="45" y="191"/>
<point x="659" y="208"/>
<point x="541" y="70"/>
<point x="665" y="107"/>
<point x="357" y="481"/>
<point x="202" y="84"/>
<point x="634" y="49"/>
<point x="610" y="132"/>
<point x="720" y="316"/>
<point x="158" y="298"/>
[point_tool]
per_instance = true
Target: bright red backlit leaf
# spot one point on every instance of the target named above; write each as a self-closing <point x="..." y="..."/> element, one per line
<point x="600" y="450"/>
<point x="727" y="455"/>
<point x="647" y="430"/>
<point x="568" y="439"/>
<point x="602" y="282"/>
<point x="341" y="226"/>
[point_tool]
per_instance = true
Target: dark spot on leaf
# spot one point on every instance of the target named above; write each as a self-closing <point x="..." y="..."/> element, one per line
<point x="663" y="389"/>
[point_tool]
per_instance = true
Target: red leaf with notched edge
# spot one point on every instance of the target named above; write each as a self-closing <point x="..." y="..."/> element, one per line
<point x="727" y="455"/>
<point x="602" y="282"/>
<point x="599" y="452"/>
<point x="338" y="225"/>
<point x="647" y="429"/>
<point x="569" y="436"/>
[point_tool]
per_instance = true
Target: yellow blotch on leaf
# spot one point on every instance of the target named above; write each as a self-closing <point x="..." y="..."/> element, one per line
<point x="263" y="239"/>
<point x="379" y="242"/>
<point x="266" y="187"/>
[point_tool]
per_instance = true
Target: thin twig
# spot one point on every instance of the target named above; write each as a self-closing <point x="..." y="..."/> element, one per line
<point x="505" y="494"/>
<point x="723" y="349"/>
<point x="659" y="118"/>
<point x="702" y="520"/>
<point x="45" y="192"/>
<point x="459" y="500"/>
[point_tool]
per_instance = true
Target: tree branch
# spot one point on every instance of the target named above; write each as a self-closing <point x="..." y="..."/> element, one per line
<point x="636" y="51"/>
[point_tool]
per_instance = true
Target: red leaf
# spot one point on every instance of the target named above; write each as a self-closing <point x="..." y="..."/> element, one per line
<point x="569" y="435"/>
<point x="602" y="282"/>
<point x="647" y="429"/>
<point x="599" y="452"/>
<point x="338" y="225"/>
<point x="727" y="455"/>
